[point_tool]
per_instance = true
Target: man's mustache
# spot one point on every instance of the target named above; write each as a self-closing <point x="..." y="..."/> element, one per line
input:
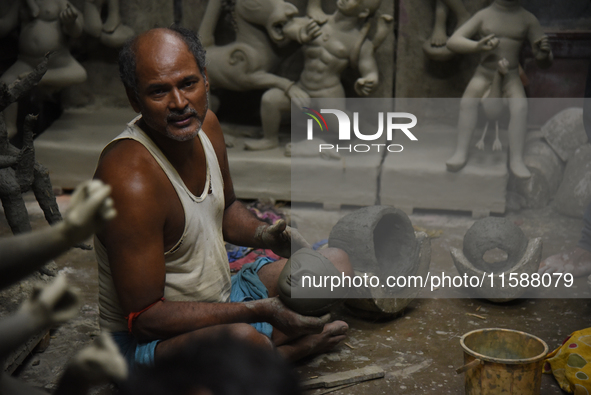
<point x="176" y="116"/>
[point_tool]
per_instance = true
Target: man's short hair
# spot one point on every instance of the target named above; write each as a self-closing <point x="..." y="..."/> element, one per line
<point x="127" y="55"/>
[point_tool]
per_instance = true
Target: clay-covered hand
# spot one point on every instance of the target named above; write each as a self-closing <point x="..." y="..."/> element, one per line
<point x="309" y="32"/>
<point x="298" y="95"/>
<point x="280" y="238"/>
<point x="91" y="207"/>
<point x="100" y="362"/>
<point x="364" y="86"/>
<point x="487" y="43"/>
<point x="291" y="323"/>
<point x="68" y="16"/>
<point x="53" y="304"/>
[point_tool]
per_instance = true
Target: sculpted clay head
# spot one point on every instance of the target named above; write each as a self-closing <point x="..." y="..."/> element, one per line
<point x="272" y="14"/>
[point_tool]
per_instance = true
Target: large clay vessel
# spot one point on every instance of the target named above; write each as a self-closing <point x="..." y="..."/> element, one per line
<point x="381" y="241"/>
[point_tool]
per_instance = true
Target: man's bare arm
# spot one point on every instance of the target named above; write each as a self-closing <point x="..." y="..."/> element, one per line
<point x="239" y="225"/>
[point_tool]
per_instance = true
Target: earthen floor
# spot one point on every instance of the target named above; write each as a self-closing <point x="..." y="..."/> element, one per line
<point x="419" y="350"/>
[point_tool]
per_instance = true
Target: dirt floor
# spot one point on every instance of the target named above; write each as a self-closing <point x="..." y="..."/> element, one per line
<point x="419" y="350"/>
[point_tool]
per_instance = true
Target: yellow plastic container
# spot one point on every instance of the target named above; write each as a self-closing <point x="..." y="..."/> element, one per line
<point x="502" y="361"/>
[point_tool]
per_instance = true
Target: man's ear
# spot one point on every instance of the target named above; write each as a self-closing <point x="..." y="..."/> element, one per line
<point x="364" y="14"/>
<point x="206" y="79"/>
<point x="133" y="100"/>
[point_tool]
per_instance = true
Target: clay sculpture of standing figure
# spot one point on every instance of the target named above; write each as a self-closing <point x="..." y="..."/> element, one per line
<point x="45" y="26"/>
<point x="343" y="43"/>
<point x="502" y="27"/>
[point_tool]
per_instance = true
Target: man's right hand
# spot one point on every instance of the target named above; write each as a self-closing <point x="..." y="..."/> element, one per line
<point x="291" y="323"/>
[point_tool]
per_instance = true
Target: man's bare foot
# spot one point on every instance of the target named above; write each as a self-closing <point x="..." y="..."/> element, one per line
<point x="260" y="144"/>
<point x="457" y="161"/>
<point x="332" y="334"/>
<point x="577" y="262"/>
<point x="519" y="169"/>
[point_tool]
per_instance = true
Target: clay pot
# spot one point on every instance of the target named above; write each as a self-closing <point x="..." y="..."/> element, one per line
<point x="381" y="241"/>
<point x="523" y="256"/>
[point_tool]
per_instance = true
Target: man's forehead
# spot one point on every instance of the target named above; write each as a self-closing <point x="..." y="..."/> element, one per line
<point x="156" y="40"/>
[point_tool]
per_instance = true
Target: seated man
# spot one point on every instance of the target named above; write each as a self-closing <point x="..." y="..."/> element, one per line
<point x="164" y="277"/>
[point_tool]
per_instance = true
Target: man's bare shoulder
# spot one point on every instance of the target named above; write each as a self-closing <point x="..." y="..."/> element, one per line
<point x="131" y="170"/>
<point x="213" y="130"/>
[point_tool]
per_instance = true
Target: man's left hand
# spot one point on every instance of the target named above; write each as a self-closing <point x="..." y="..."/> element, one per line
<point x="279" y="238"/>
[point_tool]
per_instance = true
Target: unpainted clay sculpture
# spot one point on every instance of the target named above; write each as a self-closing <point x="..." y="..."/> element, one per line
<point x="523" y="256"/>
<point x="19" y="172"/>
<point x="341" y="43"/>
<point x="502" y="28"/>
<point x="112" y="32"/>
<point x="98" y="363"/>
<point x="90" y="208"/>
<point x="45" y="26"/>
<point x="263" y="27"/>
<point x="22" y="254"/>
<point x="435" y="47"/>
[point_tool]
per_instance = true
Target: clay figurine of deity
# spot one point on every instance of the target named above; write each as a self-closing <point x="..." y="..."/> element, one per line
<point x="45" y="27"/>
<point x="263" y="28"/>
<point x="342" y="43"/>
<point x="501" y="29"/>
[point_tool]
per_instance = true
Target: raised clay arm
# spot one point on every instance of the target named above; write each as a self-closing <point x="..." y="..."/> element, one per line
<point x="90" y="208"/>
<point x="72" y="21"/>
<point x="540" y="43"/>
<point x="368" y="69"/>
<point x="53" y="304"/>
<point x="461" y="41"/>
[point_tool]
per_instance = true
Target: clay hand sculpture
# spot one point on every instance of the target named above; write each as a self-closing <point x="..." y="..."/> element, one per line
<point x="503" y="26"/>
<point x="342" y="43"/>
<point x="91" y="207"/>
<point x="98" y="363"/>
<point x="45" y="27"/>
